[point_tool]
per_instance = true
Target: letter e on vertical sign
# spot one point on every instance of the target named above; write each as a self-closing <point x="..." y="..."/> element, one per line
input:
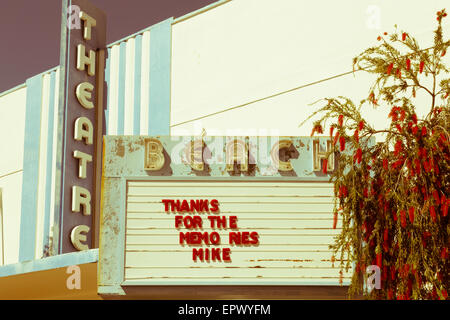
<point x="82" y="96"/>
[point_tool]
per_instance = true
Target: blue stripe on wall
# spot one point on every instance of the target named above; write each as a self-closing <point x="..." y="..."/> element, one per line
<point x="137" y="85"/>
<point x="108" y="84"/>
<point x="121" y="102"/>
<point x="160" y="59"/>
<point x="30" y="168"/>
<point x="48" y="182"/>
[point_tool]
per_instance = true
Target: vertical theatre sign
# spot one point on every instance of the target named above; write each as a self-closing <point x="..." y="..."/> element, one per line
<point x="82" y="66"/>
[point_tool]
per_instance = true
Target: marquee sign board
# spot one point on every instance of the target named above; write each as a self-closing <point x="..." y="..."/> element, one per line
<point x="216" y="211"/>
<point x="83" y="44"/>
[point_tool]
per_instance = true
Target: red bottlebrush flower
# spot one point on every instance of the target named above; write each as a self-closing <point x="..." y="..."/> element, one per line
<point x="424" y="131"/>
<point x="319" y="128"/>
<point x="379" y="38"/>
<point x="356" y="135"/>
<point x="386" y="235"/>
<point x="422" y="64"/>
<point x="444" y="208"/>
<point x="393" y="272"/>
<point x="408" y="64"/>
<point x="344" y="191"/>
<point x="389" y="68"/>
<point x="393" y="113"/>
<point x="402" y="115"/>
<point x="399" y="127"/>
<point x="390" y="294"/>
<point x="417" y="163"/>
<point x="436" y="196"/>
<point x="444" y="294"/>
<point x="410" y="124"/>
<point x="342" y="143"/>
<point x="361" y="125"/>
<point x="444" y="253"/>
<point x="414" y="118"/>
<point x="331" y="131"/>
<point x="406" y="268"/>
<point x="403" y="218"/>
<point x="427" y="166"/>
<point x="385" y="164"/>
<point x="415" y="129"/>
<point x="404" y="36"/>
<point x="335" y="219"/>
<point x="379" y="259"/>
<point x="398" y="147"/>
<point x="433" y="213"/>
<point x="411" y="214"/>
<point x="336" y="137"/>
<point x="340" y="120"/>
<point x="324" y="166"/>
<point x="358" y="155"/>
<point x="443" y="53"/>
<point x="442" y="138"/>
<point x="422" y="153"/>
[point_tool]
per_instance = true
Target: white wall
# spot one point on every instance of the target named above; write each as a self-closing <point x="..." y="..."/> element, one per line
<point x="245" y="50"/>
<point x="12" y="129"/>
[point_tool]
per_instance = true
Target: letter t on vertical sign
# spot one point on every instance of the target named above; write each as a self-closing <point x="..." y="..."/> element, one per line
<point x="79" y="149"/>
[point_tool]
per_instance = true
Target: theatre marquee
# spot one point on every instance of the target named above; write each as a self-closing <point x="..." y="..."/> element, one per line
<point x="217" y="211"/>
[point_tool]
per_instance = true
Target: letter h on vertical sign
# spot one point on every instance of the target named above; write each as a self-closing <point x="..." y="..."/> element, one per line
<point x="319" y="155"/>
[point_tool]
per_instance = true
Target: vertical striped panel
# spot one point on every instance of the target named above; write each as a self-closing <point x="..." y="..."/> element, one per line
<point x="129" y="87"/>
<point x="30" y="169"/>
<point x="138" y="77"/>
<point x="137" y="85"/>
<point x="43" y="142"/>
<point x="160" y="60"/>
<point x="108" y="84"/>
<point x="39" y="163"/>
<point x="112" y="91"/>
<point x="145" y="84"/>
<point x="121" y="91"/>
<point x="54" y="159"/>
<point x="51" y="160"/>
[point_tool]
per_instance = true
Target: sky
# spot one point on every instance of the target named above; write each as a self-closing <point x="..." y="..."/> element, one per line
<point x="30" y="30"/>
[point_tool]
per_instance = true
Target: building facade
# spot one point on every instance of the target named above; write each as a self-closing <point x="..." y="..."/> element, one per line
<point x="235" y="79"/>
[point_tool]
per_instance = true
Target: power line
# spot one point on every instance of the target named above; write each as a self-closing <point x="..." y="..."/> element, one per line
<point x="265" y="98"/>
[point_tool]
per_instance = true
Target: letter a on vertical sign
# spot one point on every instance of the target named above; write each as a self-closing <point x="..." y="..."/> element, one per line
<point x="80" y="131"/>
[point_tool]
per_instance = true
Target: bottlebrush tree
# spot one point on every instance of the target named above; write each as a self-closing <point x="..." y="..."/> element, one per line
<point x="393" y="196"/>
